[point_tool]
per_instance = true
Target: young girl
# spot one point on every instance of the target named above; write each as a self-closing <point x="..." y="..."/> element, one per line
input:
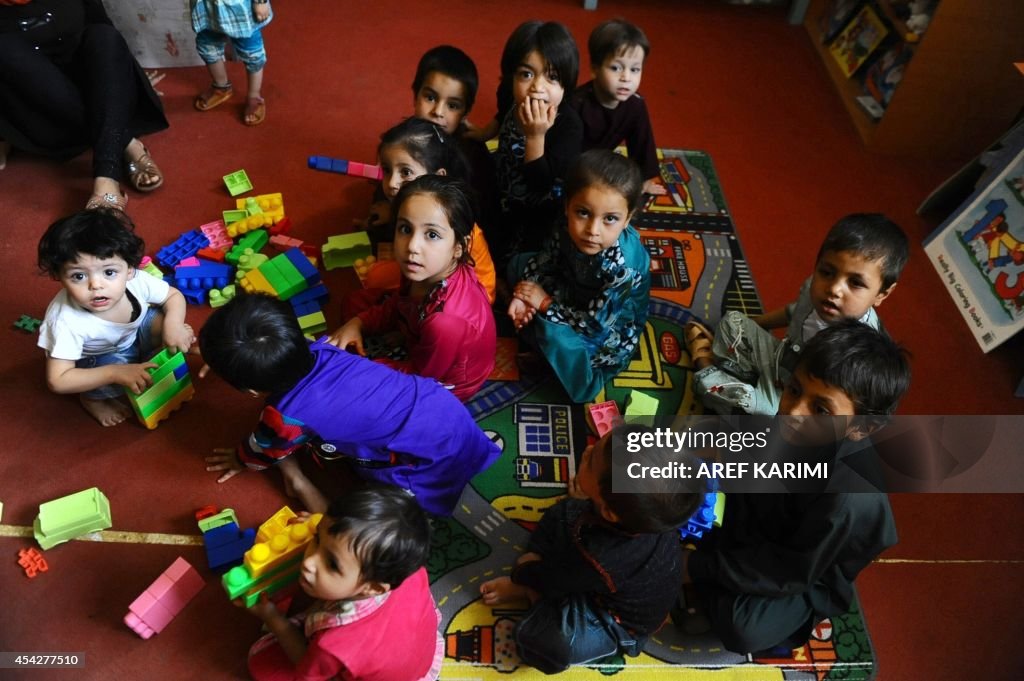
<point x="442" y="309"/>
<point x="539" y="138"/>
<point x="365" y="568"/>
<point x="241" y="22"/>
<point x="106" y="321"/>
<point x="583" y="299"/>
<point x="414" y="148"/>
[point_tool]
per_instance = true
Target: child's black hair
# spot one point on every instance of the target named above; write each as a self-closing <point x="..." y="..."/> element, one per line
<point x="603" y="166"/>
<point x="428" y="144"/>
<point x="254" y="343"/>
<point x="556" y="46"/>
<point x="452" y="62"/>
<point x="613" y="37"/>
<point x="871" y="368"/>
<point x="664" y="503"/>
<point x="874" y="237"/>
<point x="388" y="531"/>
<point x="453" y="196"/>
<point x="101" y="233"/>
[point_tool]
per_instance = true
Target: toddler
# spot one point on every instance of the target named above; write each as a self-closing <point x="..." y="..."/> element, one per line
<point x="394" y="428"/>
<point x="441" y="309"/>
<point x="744" y="366"/>
<point x="241" y="22"/>
<point x="609" y="106"/>
<point x="109" y="316"/>
<point x="365" y="569"/>
<point x="539" y="137"/>
<point x="783" y="562"/>
<point x="599" y="570"/>
<point x="583" y="300"/>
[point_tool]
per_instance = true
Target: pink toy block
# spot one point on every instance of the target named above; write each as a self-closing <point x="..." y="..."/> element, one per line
<point x="217" y="234"/>
<point x="188" y="262"/>
<point x="605" y="416"/>
<point x="281" y="243"/>
<point x="164" y="599"/>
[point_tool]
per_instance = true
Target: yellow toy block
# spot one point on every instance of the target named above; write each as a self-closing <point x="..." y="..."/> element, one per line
<point x="275" y="524"/>
<point x="173" y="404"/>
<point x="271" y="205"/>
<point x="254" y="281"/>
<point x="249" y="224"/>
<point x="283" y="546"/>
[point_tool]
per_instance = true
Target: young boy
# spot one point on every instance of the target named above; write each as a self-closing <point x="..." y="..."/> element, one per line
<point x="744" y="366"/>
<point x="365" y="568"/>
<point x="599" y="568"/>
<point x="611" y="109"/>
<point x="107" y="319"/>
<point x="394" y="428"/>
<point x="780" y="563"/>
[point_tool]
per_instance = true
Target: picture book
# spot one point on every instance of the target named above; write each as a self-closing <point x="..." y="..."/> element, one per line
<point x="882" y="77"/>
<point x="858" y="40"/>
<point x="979" y="253"/>
<point x="835" y="16"/>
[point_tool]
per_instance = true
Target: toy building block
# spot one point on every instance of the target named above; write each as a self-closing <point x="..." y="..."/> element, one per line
<point x="281" y="243"/>
<point x="206" y="512"/>
<point x="282" y="226"/>
<point x="249" y="224"/>
<point x="641" y="404"/>
<point x="255" y="282"/>
<point x="719" y="509"/>
<point x="32" y="562"/>
<point x="275" y="524"/>
<point x="71" y="516"/>
<point x="204" y="274"/>
<point x="238" y="583"/>
<point x="279" y="544"/>
<point x="344" y="249"/>
<point x="191" y="261"/>
<point x="230" y="216"/>
<point x="305" y="268"/>
<point x="252" y="207"/>
<point x="185" y="246"/>
<point x="216" y="233"/>
<point x="226" y="545"/>
<point x="28" y="324"/>
<point x="271" y="205"/>
<point x="313" y="324"/>
<point x="164" y="599"/>
<point x="253" y="240"/>
<point x="150" y="267"/>
<point x="237" y="183"/>
<point x="316" y="294"/>
<point x="603" y="417"/>
<point x="212" y="254"/>
<point x="220" y="297"/>
<point x="172" y="387"/>
<point x="217" y="520"/>
<point x="342" y="167"/>
<point x="249" y="260"/>
<point x="702" y="519"/>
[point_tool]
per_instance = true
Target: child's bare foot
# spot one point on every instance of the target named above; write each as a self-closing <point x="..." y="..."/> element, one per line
<point x="108" y="412"/>
<point x="502" y="590"/>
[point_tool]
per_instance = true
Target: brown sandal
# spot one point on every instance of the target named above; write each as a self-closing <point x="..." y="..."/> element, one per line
<point x="698" y="341"/>
<point x="144" y="165"/>
<point x="255" y="111"/>
<point x="107" y="200"/>
<point x="213" y="96"/>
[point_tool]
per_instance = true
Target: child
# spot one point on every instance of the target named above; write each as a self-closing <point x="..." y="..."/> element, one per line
<point x="604" y="561"/>
<point x="216" y="21"/>
<point x="414" y="148"/>
<point x="583" y="299"/>
<point x="781" y="563"/>
<point x="744" y="366"/>
<point x="539" y="137"/>
<point x="444" y="90"/>
<point x="365" y="568"/>
<point x="609" y="106"/>
<point x="394" y="428"/>
<point x="442" y="309"/>
<point x="106" y="320"/>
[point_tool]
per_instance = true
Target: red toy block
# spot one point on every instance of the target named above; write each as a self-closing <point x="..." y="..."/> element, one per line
<point x="210" y="253"/>
<point x="164" y="599"/>
<point x="206" y="512"/>
<point x="282" y="226"/>
<point x="282" y="243"/>
<point x="32" y="561"/>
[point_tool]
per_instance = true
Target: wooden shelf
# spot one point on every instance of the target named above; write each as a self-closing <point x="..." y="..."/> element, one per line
<point x="898" y="24"/>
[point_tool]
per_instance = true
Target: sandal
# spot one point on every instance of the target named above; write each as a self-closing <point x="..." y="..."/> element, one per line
<point x="107" y="200"/>
<point x="698" y="341"/>
<point x="144" y="165"/>
<point x="215" y="95"/>
<point x="255" y="111"/>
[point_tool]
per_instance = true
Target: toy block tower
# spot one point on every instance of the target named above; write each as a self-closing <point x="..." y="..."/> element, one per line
<point x="71" y="516"/>
<point x="172" y="387"/>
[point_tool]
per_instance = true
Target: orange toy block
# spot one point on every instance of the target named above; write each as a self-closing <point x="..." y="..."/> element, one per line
<point x="32" y="561"/>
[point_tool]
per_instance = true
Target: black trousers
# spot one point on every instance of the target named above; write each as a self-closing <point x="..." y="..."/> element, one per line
<point x="747" y="623"/>
<point x="63" y="109"/>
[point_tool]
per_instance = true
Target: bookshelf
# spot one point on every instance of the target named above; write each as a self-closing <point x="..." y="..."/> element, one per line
<point x="960" y="90"/>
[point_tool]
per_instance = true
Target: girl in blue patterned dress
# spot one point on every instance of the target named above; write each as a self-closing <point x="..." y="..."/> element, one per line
<point x="582" y="300"/>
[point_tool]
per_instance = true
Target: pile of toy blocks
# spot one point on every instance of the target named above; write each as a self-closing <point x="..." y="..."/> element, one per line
<point x="172" y="387"/>
<point x="273" y="563"/>
<point x="225" y="543"/>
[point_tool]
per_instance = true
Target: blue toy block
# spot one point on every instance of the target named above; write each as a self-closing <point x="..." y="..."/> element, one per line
<point x="306" y="308"/>
<point x="704" y="517"/>
<point x="303" y="265"/>
<point x="206" y="269"/>
<point x="226" y="545"/>
<point x="327" y="164"/>
<point x="185" y="246"/>
<point x="193" y="296"/>
<point x="316" y="294"/>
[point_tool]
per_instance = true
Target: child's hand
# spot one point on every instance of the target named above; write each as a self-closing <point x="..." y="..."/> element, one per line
<point x="179" y="337"/>
<point x="351" y="333"/>
<point x="654" y="186"/>
<point x="520" y="313"/>
<point x="573" y="490"/>
<point x="135" y="377"/>
<point x="531" y="293"/>
<point x="260" y="10"/>
<point x="264" y="608"/>
<point x="535" y="117"/>
<point x="224" y="460"/>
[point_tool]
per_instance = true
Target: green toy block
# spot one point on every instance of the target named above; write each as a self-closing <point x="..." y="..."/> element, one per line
<point x="223" y="518"/>
<point x="252" y="207"/>
<point x="719" y="508"/>
<point x="238" y="582"/>
<point x="71" y="516"/>
<point x="28" y="324"/>
<point x="249" y="261"/>
<point x="170" y="379"/>
<point x="343" y="250"/>
<point x="255" y="240"/>
<point x="237" y="183"/>
<point x="283" y="276"/>
<point x="641" y="404"/>
<point x="313" y="323"/>
<point x="219" y="297"/>
<point x="231" y="216"/>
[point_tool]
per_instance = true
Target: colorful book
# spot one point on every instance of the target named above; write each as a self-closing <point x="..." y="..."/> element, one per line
<point x="852" y="47"/>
